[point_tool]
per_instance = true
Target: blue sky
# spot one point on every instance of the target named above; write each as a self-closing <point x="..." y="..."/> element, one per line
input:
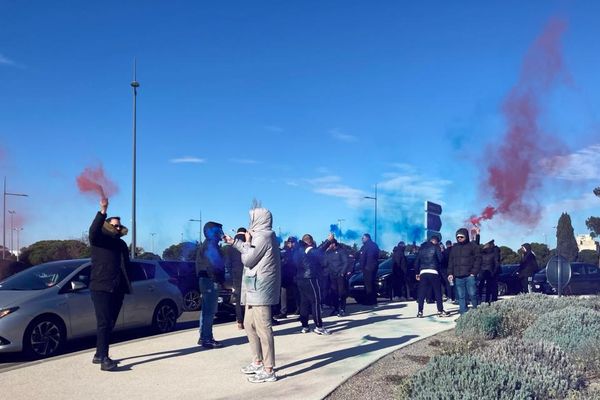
<point x="304" y="106"/>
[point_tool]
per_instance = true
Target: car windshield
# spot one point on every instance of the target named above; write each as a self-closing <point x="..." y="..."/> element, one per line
<point x="41" y="276"/>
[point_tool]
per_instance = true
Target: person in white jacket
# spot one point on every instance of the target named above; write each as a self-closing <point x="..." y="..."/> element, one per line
<point x="261" y="286"/>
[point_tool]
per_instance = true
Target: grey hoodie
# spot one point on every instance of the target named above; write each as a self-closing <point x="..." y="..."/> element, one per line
<point x="261" y="283"/>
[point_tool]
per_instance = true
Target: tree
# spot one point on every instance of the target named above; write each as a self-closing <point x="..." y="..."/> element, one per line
<point x="508" y="256"/>
<point x="185" y="251"/>
<point x="148" y="256"/>
<point x="588" y="256"/>
<point x="542" y="253"/>
<point x="593" y="224"/>
<point x="565" y="238"/>
<point x="53" y="250"/>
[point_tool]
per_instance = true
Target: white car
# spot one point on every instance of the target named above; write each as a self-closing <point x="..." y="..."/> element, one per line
<point x="44" y="306"/>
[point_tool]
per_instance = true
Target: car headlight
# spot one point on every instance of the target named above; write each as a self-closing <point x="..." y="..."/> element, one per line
<point x="5" y="311"/>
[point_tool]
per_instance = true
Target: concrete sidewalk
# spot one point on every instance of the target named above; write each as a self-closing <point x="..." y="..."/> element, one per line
<point x="172" y="366"/>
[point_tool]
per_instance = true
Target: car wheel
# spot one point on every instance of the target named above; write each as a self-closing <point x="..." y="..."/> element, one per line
<point x="44" y="337"/>
<point x="191" y="300"/>
<point x="165" y="317"/>
<point x="502" y="289"/>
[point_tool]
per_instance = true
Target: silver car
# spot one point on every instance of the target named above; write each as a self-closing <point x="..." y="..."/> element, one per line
<point x="46" y="305"/>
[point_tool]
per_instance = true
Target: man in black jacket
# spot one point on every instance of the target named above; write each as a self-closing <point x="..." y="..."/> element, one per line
<point x="336" y="262"/>
<point x="528" y="267"/>
<point x="400" y="285"/>
<point x="463" y="266"/>
<point x="369" y="263"/>
<point x="427" y="265"/>
<point x="108" y="279"/>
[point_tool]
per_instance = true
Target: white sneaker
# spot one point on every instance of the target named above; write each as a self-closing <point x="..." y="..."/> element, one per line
<point x="252" y="369"/>
<point x="321" y="331"/>
<point x="305" y="329"/>
<point x="263" y="376"/>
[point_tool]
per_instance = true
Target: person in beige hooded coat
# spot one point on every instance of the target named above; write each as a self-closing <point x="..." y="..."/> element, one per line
<point x="261" y="285"/>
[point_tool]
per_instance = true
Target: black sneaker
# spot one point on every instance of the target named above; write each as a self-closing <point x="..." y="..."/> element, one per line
<point x="280" y="316"/>
<point x="211" y="344"/>
<point x="443" y="314"/>
<point x="420" y="314"/>
<point x="107" y="364"/>
<point x="96" y="359"/>
<point x="341" y="313"/>
<point x="333" y="312"/>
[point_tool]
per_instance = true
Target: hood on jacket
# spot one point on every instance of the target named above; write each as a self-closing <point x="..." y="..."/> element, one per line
<point x="261" y="219"/>
<point x="489" y="244"/>
<point x="110" y="230"/>
<point x="527" y="247"/>
<point x="465" y="233"/>
<point x="213" y="230"/>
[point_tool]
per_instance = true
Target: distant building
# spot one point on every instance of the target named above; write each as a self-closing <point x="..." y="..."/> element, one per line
<point x="585" y="242"/>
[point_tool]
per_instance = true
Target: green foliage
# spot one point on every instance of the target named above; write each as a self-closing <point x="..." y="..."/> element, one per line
<point x="508" y="256"/>
<point x="53" y="250"/>
<point x="185" y="251"/>
<point x="565" y="238"/>
<point x="574" y="329"/>
<point x="593" y="224"/>
<point x="588" y="256"/>
<point x="484" y="322"/>
<point x="542" y="253"/>
<point x="148" y="256"/>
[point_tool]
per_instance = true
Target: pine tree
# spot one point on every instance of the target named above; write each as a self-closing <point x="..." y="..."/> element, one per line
<point x="566" y="244"/>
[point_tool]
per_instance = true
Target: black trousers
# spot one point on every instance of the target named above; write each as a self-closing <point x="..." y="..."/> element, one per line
<point x="370" y="289"/>
<point x="339" y="286"/>
<point x="239" y="308"/>
<point x="489" y="283"/>
<point x="107" y="306"/>
<point x="310" y="300"/>
<point x="430" y="282"/>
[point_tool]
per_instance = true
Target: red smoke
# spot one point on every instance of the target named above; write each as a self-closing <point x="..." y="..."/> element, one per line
<point x="515" y="160"/>
<point x="488" y="213"/>
<point x="93" y="181"/>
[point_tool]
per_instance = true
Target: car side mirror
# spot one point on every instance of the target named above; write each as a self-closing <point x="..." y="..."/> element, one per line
<point x="77" y="286"/>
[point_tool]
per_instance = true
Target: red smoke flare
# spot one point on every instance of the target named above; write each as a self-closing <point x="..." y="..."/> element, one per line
<point x="488" y="213"/>
<point x="93" y="181"/>
<point x="516" y="159"/>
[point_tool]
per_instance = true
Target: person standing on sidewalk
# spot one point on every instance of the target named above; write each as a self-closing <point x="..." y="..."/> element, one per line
<point x="427" y="265"/>
<point x="527" y="267"/>
<point x="369" y="263"/>
<point x="309" y="259"/>
<point x="463" y="266"/>
<point x="210" y="268"/>
<point x="336" y="262"/>
<point x="400" y="286"/>
<point x="234" y="260"/>
<point x="288" y="276"/>
<point x="108" y="279"/>
<point x="261" y="287"/>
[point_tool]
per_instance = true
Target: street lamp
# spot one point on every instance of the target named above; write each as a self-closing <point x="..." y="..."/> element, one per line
<point x="134" y="85"/>
<point x="12" y="213"/>
<point x="152" y="234"/>
<point x="4" y="218"/>
<point x="200" y="230"/>
<point x="18" y="246"/>
<point x="340" y="225"/>
<point x="374" y="198"/>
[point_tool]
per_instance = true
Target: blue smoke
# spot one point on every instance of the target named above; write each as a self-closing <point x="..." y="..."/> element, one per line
<point x="349" y="234"/>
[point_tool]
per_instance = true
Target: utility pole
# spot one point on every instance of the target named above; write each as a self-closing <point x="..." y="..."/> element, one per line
<point x="4" y="217"/>
<point x="374" y="198"/>
<point x="12" y="227"/>
<point x="18" y="245"/>
<point x="152" y="234"/>
<point x="134" y="85"/>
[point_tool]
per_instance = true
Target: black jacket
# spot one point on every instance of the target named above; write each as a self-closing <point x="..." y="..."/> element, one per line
<point x="399" y="265"/>
<point x="465" y="258"/>
<point x="528" y="266"/>
<point x="369" y="256"/>
<point x="445" y="258"/>
<point x="489" y="260"/>
<point x="110" y="257"/>
<point x="429" y="257"/>
<point x="308" y="261"/>
<point x="336" y="262"/>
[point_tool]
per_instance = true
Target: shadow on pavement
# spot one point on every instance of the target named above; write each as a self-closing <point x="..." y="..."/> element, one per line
<point x="339" y="355"/>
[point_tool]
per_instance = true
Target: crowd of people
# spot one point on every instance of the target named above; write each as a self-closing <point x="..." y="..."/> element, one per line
<point x="302" y="278"/>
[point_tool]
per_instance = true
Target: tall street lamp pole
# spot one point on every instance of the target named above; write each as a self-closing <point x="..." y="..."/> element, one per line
<point x="152" y="234"/>
<point x="134" y="85"/>
<point x="12" y="227"/>
<point x="200" y="230"/>
<point x="340" y="225"/>
<point x="374" y="198"/>
<point x="4" y="217"/>
<point x="18" y="246"/>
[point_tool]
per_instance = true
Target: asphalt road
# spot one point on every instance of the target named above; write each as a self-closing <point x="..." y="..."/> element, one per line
<point x="188" y="320"/>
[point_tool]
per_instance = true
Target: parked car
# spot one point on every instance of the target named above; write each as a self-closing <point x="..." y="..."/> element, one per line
<point x="44" y="306"/>
<point x="383" y="280"/>
<point x="508" y="280"/>
<point x="585" y="279"/>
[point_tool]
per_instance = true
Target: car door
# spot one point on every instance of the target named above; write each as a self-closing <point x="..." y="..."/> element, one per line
<point x="593" y="278"/>
<point x="578" y="283"/>
<point x="138" y="308"/>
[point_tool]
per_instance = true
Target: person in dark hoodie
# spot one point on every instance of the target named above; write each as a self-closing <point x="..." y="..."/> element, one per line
<point x="488" y="277"/>
<point x="210" y="268"/>
<point x="528" y="267"/>
<point x="108" y="279"/>
<point x="234" y="260"/>
<point x="448" y="289"/>
<point x="400" y="286"/>
<point x="336" y="262"/>
<point x="463" y="266"/>
<point x="369" y="263"/>
<point x="427" y="266"/>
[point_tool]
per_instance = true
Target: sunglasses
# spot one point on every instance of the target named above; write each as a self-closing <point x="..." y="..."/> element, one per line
<point x="118" y="226"/>
<point x="460" y="237"/>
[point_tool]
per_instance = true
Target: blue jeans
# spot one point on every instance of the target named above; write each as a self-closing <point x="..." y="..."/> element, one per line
<point x="466" y="286"/>
<point x="210" y="294"/>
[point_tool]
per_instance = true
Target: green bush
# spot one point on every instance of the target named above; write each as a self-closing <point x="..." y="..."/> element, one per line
<point x="576" y="330"/>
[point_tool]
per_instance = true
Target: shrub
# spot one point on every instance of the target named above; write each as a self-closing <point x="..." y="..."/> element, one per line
<point x="576" y="330"/>
<point x="483" y="322"/>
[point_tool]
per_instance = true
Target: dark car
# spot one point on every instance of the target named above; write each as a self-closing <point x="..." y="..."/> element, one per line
<point x="383" y="280"/>
<point x="508" y="280"/>
<point x="585" y="279"/>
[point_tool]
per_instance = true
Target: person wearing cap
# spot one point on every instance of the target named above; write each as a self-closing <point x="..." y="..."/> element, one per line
<point x="427" y="266"/>
<point x="210" y="268"/>
<point x="108" y="279"/>
<point x="261" y="287"/>
<point x="463" y="266"/>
